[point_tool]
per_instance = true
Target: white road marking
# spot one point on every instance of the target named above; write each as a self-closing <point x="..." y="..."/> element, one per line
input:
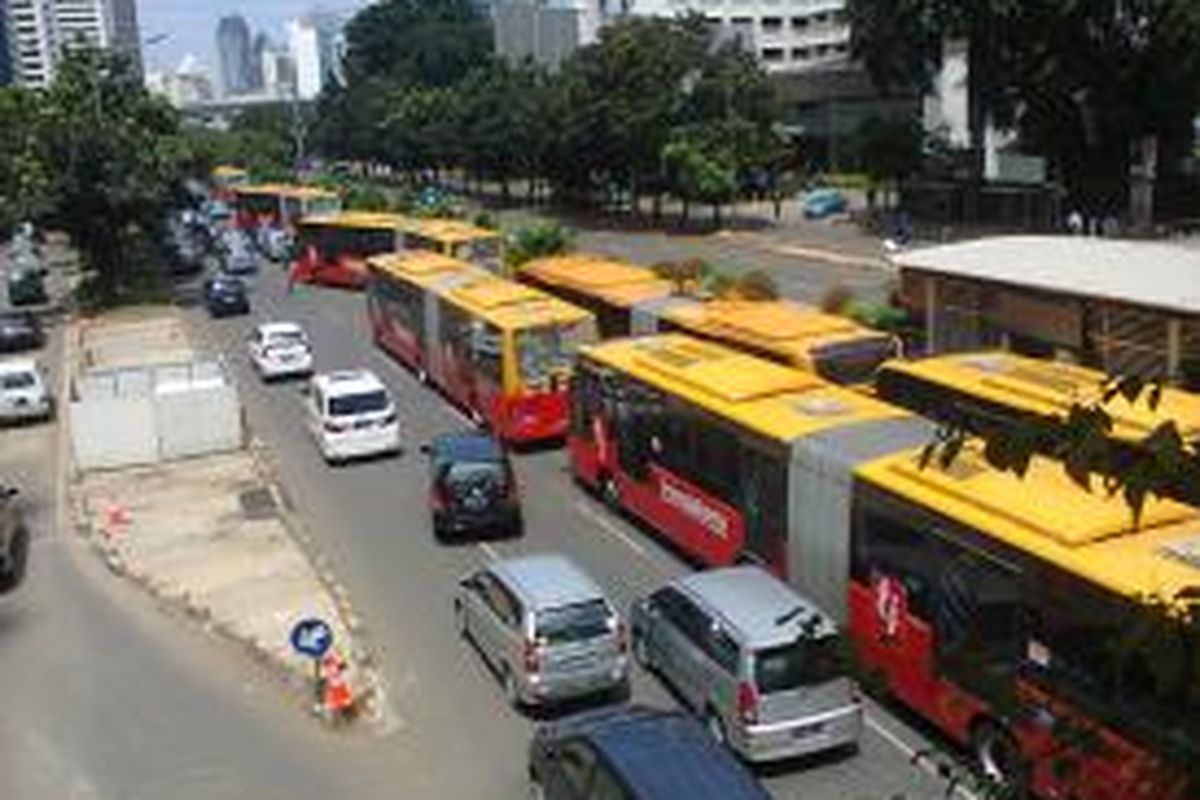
<point x="912" y="754"/>
<point x="489" y="551"/>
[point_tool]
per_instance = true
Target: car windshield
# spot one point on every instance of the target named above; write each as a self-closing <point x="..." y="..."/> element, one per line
<point x="804" y="662"/>
<point x="16" y="380"/>
<point x="358" y="403"/>
<point x="549" y="349"/>
<point x="574" y="623"/>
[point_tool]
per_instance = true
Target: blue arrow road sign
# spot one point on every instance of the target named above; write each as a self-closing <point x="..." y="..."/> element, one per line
<point x="312" y="637"/>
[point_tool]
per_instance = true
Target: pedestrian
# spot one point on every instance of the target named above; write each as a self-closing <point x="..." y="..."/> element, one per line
<point x="1075" y="223"/>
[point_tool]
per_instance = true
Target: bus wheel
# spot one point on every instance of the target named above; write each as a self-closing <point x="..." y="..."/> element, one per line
<point x="609" y="493"/>
<point x="999" y="758"/>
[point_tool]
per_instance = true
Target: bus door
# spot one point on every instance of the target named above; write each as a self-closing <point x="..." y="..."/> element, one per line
<point x="487" y="358"/>
<point x="429" y="332"/>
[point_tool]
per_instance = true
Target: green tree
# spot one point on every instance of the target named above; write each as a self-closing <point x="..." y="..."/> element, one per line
<point x="538" y="241"/>
<point x="890" y="149"/>
<point x="23" y="177"/>
<point x="114" y="166"/>
<point x="427" y="43"/>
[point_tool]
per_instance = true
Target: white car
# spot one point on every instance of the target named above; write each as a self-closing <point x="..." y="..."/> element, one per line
<point x="280" y="349"/>
<point x="23" y="392"/>
<point x="351" y="415"/>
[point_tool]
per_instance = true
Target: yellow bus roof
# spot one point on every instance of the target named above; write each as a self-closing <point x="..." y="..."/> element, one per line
<point x="452" y="231"/>
<point x="777" y="326"/>
<point x="419" y="267"/>
<point x="510" y="305"/>
<point x="374" y="220"/>
<point x="1049" y="388"/>
<point x="1089" y="534"/>
<point x="608" y="279"/>
<point x="776" y="401"/>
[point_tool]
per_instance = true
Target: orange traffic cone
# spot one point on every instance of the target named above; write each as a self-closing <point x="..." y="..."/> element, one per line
<point x="337" y="697"/>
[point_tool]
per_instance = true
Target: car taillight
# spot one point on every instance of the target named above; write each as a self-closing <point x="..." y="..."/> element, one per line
<point x="622" y="637"/>
<point x="530" y="657"/>
<point x="747" y="702"/>
<point x="438" y="497"/>
<point x="335" y="427"/>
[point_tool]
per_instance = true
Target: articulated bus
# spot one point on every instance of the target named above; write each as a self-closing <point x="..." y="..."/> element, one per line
<point x="979" y="389"/>
<point x="224" y="179"/>
<point x="631" y="300"/>
<point x="457" y="239"/>
<point x="280" y="205"/>
<point x="961" y="587"/>
<point x="333" y="248"/>
<point x="500" y="350"/>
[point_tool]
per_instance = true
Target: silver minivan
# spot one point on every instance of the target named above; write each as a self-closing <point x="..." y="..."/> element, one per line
<point x="764" y="668"/>
<point x="545" y="627"/>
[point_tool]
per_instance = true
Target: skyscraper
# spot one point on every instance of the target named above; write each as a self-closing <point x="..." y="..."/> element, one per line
<point x="258" y="53"/>
<point x="316" y="44"/>
<point x="32" y="41"/>
<point x="234" y="55"/>
<point x="39" y="31"/>
<point x="121" y="21"/>
<point x="6" y="76"/>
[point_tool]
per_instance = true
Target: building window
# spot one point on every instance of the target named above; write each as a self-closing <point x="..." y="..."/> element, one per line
<point x="799" y="23"/>
<point x="772" y="24"/>
<point x="772" y="54"/>
<point x="801" y="54"/>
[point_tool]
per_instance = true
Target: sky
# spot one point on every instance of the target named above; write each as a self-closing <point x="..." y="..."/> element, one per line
<point x="191" y="25"/>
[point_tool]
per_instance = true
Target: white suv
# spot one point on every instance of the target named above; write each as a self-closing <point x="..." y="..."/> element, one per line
<point x="280" y="349"/>
<point x="23" y="392"/>
<point x="351" y="414"/>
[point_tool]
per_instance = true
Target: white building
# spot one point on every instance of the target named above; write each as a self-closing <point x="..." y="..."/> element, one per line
<point x="186" y="85"/>
<point x="279" y="72"/>
<point x="547" y="30"/>
<point x="41" y="29"/>
<point x="316" y="43"/>
<point x="32" y="41"/>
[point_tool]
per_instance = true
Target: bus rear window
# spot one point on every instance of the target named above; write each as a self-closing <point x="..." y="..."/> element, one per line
<point x="804" y="662"/>
<point x="855" y="362"/>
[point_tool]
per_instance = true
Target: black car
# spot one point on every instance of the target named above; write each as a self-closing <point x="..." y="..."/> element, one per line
<point x="635" y="753"/>
<point x="20" y="330"/>
<point x="472" y="486"/>
<point x="14" y="539"/>
<point x="226" y="295"/>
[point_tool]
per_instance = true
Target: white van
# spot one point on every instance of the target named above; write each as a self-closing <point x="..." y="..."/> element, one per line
<point x="351" y="415"/>
<point x="23" y="392"/>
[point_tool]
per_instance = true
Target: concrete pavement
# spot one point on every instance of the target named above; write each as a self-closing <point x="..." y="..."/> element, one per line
<point x="453" y="736"/>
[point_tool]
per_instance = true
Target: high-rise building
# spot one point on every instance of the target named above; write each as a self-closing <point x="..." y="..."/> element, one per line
<point x="32" y="41"/>
<point x="40" y="30"/>
<point x="6" y="75"/>
<point x="235" y="56"/>
<point x="278" y="71"/>
<point x="316" y="44"/>
<point x="258" y="50"/>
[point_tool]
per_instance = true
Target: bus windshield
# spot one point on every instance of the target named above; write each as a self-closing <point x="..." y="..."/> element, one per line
<point x="854" y="362"/>
<point x="546" y="350"/>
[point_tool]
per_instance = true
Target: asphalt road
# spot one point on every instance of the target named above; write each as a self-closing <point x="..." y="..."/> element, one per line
<point x="104" y="696"/>
<point x="450" y="733"/>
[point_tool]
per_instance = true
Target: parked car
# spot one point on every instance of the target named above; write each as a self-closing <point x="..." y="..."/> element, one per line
<point x="225" y="295"/>
<point x="20" y="330"/>
<point x="635" y="753"/>
<point x="472" y="486"/>
<point x="351" y="415"/>
<point x="280" y="349"/>
<point x="762" y="665"/>
<point x="14" y="539"/>
<point x="23" y="392"/>
<point x="545" y="627"/>
<point x="822" y="203"/>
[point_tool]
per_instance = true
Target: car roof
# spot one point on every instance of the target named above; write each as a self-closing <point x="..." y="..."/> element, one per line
<point x="348" y="381"/>
<point x="751" y="601"/>
<point x="468" y="446"/>
<point x="270" y="328"/>
<point x="547" y="580"/>
<point x="661" y="754"/>
<point x="18" y="365"/>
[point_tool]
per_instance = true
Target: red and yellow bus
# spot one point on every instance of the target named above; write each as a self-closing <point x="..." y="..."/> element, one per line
<point x="332" y="249"/>
<point x="962" y="587"/>
<point x="224" y="179"/>
<point x="280" y="205"/>
<point x="631" y="300"/>
<point x="502" y="351"/>
<point x="457" y="239"/>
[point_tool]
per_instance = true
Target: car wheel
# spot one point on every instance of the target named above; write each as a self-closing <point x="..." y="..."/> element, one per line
<point x="460" y="621"/>
<point x="18" y="555"/>
<point x="512" y="690"/>
<point x="641" y="653"/>
<point x="999" y="758"/>
<point x="715" y="726"/>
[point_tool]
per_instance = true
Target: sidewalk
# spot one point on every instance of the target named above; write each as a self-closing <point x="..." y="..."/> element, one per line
<point x="211" y="535"/>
